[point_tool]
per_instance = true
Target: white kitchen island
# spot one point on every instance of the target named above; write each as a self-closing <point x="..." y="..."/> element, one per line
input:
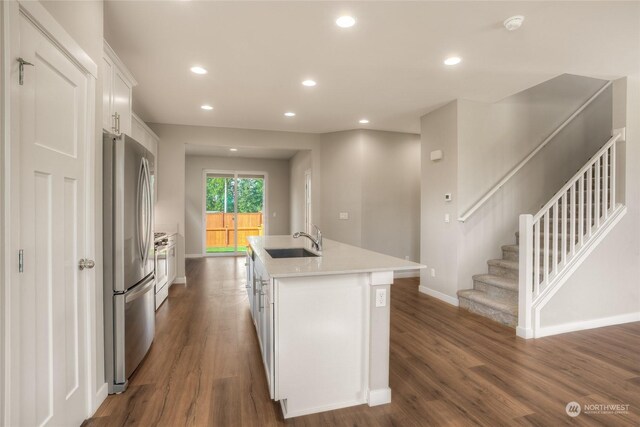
<point x="322" y="323"/>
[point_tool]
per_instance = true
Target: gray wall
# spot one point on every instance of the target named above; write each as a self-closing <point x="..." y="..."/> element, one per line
<point x="607" y="284"/>
<point x="495" y="137"/>
<point x="484" y="143"/>
<point x="342" y="164"/>
<point x="438" y="240"/>
<point x="391" y="194"/>
<point x="374" y="176"/>
<point x="277" y="189"/>
<point x="298" y="165"/>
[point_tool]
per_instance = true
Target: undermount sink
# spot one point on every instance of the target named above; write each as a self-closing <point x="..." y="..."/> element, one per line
<point x="290" y="253"/>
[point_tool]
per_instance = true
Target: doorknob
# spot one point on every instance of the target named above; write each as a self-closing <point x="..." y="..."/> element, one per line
<point x="86" y="263"/>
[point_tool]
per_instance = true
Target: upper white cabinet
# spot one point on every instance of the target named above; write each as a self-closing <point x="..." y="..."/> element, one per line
<point x="117" y="93"/>
<point x="143" y="134"/>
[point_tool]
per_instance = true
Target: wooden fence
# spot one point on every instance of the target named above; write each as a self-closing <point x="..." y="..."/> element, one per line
<point x="220" y="228"/>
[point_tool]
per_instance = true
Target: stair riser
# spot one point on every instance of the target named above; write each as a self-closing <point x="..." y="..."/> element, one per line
<point x="491" y="313"/>
<point x="510" y="255"/>
<point x="515" y="256"/>
<point x="504" y="272"/>
<point x="496" y="291"/>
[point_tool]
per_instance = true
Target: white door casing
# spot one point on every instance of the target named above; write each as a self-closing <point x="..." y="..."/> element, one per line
<point x="52" y="340"/>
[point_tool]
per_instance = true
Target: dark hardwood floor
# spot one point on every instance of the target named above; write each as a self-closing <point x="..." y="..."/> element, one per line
<point x="448" y="367"/>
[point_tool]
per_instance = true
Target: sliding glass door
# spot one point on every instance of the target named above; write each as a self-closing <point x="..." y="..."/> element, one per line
<point x="234" y="211"/>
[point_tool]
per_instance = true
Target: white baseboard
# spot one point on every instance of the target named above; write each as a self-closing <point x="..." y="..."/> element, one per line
<point x="379" y="396"/>
<point x="180" y="280"/>
<point x="439" y="295"/>
<point x="193" y="256"/>
<point x="99" y="397"/>
<point x="406" y="274"/>
<point x="524" y="332"/>
<point x="587" y="324"/>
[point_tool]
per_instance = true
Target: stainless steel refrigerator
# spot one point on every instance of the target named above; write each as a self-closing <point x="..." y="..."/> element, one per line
<point x="129" y="305"/>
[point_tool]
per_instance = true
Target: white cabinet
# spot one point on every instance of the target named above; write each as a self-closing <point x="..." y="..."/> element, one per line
<point x="144" y="135"/>
<point x="250" y="282"/>
<point x="264" y="313"/>
<point x="172" y="266"/>
<point x="117" y="90"/>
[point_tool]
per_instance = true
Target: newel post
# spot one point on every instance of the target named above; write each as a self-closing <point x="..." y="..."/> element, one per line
<point x="525" y="282"/>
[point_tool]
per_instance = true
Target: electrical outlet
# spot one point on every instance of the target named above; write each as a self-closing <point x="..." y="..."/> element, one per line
<point x="344" y="215"/>
<point x="406" y="257"/>
<point x="433" y="272"/>
<point x="381" y="297"/>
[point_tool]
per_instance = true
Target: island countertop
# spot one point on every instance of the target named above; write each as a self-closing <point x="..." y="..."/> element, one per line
<point x="336" y="258"/>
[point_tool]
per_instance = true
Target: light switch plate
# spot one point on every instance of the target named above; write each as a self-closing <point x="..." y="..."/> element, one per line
<point x="344" y="215"/>
<point x="447" y="218"/>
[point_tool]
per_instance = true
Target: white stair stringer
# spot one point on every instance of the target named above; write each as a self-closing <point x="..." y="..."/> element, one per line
<point x="581" y="255"/>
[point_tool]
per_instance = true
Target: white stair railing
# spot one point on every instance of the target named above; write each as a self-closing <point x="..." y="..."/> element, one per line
<point x="552" y="238"/>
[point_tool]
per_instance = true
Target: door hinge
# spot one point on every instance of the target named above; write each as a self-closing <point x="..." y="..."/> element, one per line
<point x="21" y="71"/>
<point x="20" y="261"/>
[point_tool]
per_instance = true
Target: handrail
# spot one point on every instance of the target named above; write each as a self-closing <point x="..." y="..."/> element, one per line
<point x="520" y="165"/>
<point x="575" y="177"/>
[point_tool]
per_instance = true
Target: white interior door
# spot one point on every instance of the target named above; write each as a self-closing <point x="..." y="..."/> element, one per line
<point x="51" y="370"/>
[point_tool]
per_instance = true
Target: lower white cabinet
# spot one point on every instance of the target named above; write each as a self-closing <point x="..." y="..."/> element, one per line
<point x="172" y="263"/>
<point x="263" y="313"/>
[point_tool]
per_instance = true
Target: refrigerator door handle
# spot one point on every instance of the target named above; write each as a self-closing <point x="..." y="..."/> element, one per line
<point x="149" y="202"/>
<point x="141" y="290"/>
<point x="139" y="219"/>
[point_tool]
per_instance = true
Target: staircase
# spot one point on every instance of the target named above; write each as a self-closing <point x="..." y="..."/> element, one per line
<point x="557" y="238"/>
<point x="495" y="295"/>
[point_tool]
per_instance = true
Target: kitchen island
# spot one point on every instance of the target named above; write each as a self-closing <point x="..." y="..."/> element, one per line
<point x="322" y="321"/>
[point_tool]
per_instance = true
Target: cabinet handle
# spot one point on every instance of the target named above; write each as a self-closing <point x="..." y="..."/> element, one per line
<point x="260" y="301"/>
<point x="118" y="122"/>
<point x="114" y="120"/>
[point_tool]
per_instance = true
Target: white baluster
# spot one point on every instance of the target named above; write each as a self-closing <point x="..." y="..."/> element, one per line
<point x="613" y="175"/>
<point x="581" y="200"/>
<point x="596" y="194"/>
<point x="605" y="184"/>
<point x="556" y="237"/>
<point x="563" y="229"/>
<point x="589" y="200"/>
<point x="545" y="253"/>
<point x="536" y="256"/>
<point x="573" y="219"/>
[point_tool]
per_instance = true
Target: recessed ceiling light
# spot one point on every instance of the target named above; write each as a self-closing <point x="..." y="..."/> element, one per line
<point x="363" y="121"/>
<point x="453" y="60"/>
<point x="198" y="70"/>
<point x="233" y="149"/>
<point x="345" y="21"/>
<point x="289" y="114"/>
<point x="514" y="22"/>
<point x="206" y="107"/>
<point x="309" y="83"/>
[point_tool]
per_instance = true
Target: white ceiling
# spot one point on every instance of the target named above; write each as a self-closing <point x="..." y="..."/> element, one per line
<point x="387" y="68"/>
<point x="245" y="152"/>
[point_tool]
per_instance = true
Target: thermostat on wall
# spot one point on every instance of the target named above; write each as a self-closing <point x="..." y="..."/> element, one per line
<point x="436" y="155"/>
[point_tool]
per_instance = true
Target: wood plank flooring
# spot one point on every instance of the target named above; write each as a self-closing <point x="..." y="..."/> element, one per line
<point x="448" y="367"/>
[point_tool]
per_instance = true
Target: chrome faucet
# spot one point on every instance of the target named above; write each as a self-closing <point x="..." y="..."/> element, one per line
<point x="316" y="241"/>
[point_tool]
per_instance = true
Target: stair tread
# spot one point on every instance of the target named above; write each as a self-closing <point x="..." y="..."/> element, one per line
<point x="504" y="263"/>
<point x="511" y="248"/>
<point x="498" y="281"/>
<point x="495" y="303"/>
